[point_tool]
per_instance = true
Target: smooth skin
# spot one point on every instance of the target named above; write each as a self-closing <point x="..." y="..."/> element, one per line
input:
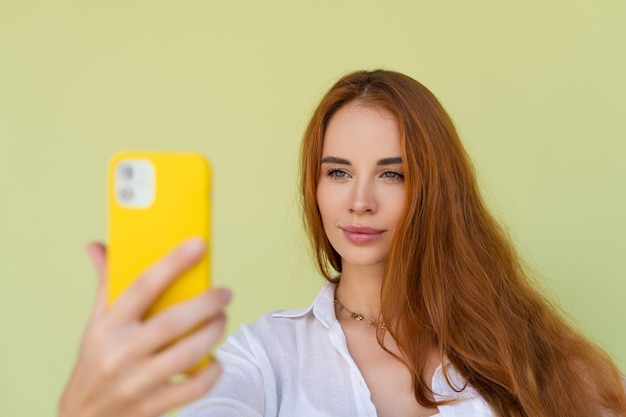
<point x="125" y="364"/>
<point x="361" y="195"/>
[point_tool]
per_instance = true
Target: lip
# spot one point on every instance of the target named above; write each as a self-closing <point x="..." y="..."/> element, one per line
<point x="361" y="234"/>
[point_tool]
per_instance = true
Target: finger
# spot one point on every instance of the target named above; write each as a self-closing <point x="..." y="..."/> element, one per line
<point x="98" y="255"/>
<point x="180" y="357"/>
<point x="170" y="396"/>
<point x="136" y="300"/>
<point x="190" y="350"/>
<point x="178" y="320"/>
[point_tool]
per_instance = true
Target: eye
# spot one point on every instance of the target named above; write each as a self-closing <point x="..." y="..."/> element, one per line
<point x="393" y="176"/>
<point x="337" y="174"/>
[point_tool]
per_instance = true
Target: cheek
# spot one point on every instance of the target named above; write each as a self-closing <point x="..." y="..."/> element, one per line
<point x="328" y="204"/>
<point x="322" y="202"/>
<point x="398" y="210"/>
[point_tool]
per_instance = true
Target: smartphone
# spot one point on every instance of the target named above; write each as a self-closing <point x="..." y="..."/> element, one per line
<point x="156" y="200"/>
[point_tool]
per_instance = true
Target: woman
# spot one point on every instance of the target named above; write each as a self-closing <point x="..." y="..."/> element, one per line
<point x="427" y="309"/>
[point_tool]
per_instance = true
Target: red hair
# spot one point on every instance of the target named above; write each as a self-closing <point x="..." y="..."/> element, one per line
<point x="453" y="281"/>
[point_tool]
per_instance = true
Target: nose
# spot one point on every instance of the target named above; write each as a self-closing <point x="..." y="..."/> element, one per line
<point x="363" y="197"/>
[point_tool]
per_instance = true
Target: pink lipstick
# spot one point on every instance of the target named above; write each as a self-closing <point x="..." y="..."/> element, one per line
<point x="361" y="234"/>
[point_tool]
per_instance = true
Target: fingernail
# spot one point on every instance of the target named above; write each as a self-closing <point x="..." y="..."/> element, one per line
<point x="226" y="294"/>
<point x="193" y="246"/>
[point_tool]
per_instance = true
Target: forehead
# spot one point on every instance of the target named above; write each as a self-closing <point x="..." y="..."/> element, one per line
<point x="355" y="129"/>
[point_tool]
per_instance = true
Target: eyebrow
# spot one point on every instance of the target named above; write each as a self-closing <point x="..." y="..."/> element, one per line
<point x="335" y="160"/>
<point x="384" y="161"/>
<point x="390" y="161"/>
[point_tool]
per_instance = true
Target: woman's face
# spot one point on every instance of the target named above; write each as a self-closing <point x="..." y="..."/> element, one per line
<point x="361" y="192"/>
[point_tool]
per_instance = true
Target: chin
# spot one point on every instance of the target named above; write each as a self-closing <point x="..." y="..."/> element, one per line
<point x="363" y="262"/>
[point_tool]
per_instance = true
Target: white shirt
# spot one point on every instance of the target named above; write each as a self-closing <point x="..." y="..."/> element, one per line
<point x="296" y="363"/>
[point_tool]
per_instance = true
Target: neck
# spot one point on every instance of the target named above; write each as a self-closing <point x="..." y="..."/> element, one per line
<point x="359" y="289"/>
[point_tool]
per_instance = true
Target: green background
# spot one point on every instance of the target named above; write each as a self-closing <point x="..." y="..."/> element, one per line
<point x="536" y="88"/>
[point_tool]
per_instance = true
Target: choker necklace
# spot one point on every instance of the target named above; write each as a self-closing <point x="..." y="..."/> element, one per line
<point x="359" y="317"/>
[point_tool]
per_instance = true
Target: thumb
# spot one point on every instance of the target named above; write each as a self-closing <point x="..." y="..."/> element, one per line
<point x="98" y="254"/>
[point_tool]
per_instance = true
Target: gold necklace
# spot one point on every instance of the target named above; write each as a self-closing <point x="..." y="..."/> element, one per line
<point x="359" y="317"/>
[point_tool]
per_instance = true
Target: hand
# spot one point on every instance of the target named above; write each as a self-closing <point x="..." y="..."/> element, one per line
<point x="125" y="364"/>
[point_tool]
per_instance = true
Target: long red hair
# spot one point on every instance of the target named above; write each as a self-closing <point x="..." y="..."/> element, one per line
<point x="453" y="281"/>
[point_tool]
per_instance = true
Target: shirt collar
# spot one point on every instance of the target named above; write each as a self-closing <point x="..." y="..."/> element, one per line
<point x="323" y="307"/>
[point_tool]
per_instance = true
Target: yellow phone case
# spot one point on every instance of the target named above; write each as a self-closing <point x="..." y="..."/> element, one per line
<point x="156" y="200"/>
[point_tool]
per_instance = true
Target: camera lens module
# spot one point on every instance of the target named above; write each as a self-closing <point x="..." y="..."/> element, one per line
<point x="135" y="180"/>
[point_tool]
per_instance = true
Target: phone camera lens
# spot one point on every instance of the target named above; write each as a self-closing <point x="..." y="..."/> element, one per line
<point x="126" y="194"/>
<point x="126" y="171"/>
